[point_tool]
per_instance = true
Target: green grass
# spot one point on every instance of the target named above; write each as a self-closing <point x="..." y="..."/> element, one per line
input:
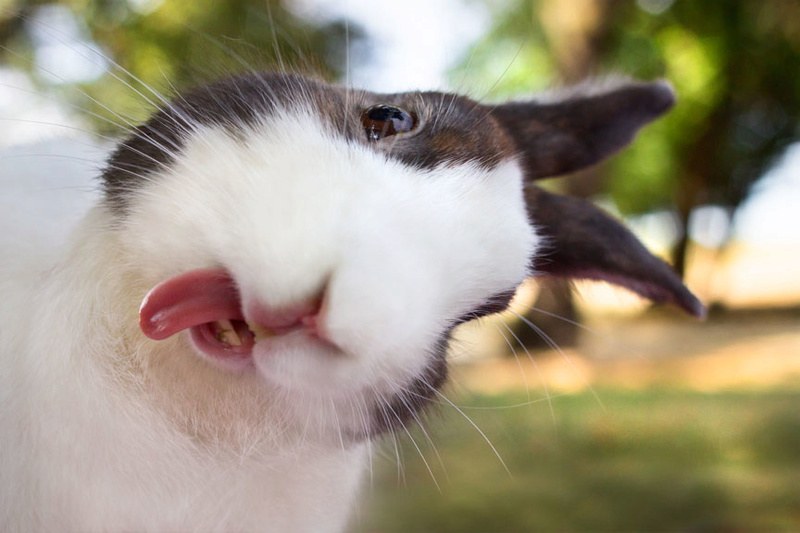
<point x="649" y="461"/>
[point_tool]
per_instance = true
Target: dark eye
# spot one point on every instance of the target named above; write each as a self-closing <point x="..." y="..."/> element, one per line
<point x="384" y="120"/>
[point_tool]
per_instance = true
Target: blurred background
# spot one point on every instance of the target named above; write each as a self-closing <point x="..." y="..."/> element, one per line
<point x="583" y="408"/>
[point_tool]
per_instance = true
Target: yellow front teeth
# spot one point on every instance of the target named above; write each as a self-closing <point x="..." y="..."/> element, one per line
<point x="260" y="332"/>
<point x="226" y="333"/>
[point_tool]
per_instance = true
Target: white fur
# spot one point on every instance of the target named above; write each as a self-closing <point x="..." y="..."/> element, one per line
<point x="106" y="430"/>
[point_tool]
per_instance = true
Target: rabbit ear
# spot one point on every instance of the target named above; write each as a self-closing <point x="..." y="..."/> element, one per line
<point x="582" y="241"/>
<point x="580" y="130"/>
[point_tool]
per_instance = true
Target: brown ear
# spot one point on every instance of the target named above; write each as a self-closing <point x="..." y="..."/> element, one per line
<point x="580" y="130"/>
<point x="582" y="241"/>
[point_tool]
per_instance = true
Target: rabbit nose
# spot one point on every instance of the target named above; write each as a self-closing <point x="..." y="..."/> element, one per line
<point x="284" y="318"/>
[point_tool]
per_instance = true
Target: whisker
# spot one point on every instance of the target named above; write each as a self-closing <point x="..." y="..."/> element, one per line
<point x="180" y="120"/>
<point x="147" y="138"/>
<point x="505" y="71"/>
<point x="95" y="164"/>
<point x="278" y="54"/>
<point x="557" y="348"/>
<point x="618" y="343"/>
<point x="225" y="48"/>
<point x="425" y="433"/>
<point x="538" y="371"/>
<point x="478" y="407"/>
<point x="512" y="406"/>
<point x="563" y="319"/>
<point x="401" y="472"/>
<point x="474" y="425"/>
<point x="459" y="87"/>
<point x="516" y="358"/>
<point x="70" y="105"/>
<point x="338" y="424"/>
<point x="58" y="125"/>
<point x="416" y="446"/>
<point x="99" y="136"/>
<point x="347" y="80"/>
<point x="73" y="87"/>
<point x="364" y="418"/>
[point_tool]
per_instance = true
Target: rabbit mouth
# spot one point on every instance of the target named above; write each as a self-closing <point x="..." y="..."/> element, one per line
<point x="208" y="304"/>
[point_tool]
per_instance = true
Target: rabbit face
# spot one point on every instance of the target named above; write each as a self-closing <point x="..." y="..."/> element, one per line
<point x="331" y="264"/>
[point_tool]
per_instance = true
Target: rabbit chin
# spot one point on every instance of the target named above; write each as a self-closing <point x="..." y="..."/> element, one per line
<point x="300" y="363"/>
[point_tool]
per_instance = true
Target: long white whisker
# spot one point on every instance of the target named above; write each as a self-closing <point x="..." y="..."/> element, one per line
<point x="57" y="125"/>
<point x="563" y="319"/>
<point x="538" y="371"/>
<point x="99" y="136"/>
<point x="425" y="433"/>
<point x="338" y="424"/>
<point x="148" y="139"/>
<point x="71" y="105"/>
<point x="346" y="73"/>
<point x="184" y="124"/>
<point x="65" y="41"/>
<point x="505" y="71"/>
<point x="484" y="408"/>
<point x="416" y="446"/>
<point x="364" y="419"/>
<point x="519" y="363"/>
<point x="225" y="48"/>
<point x="474" y="425"/>
<point x="512" y="406"/>
<point x="401" y="472"/>
<point x="56" y="76"/>
<point x="557" y="348"/>
<point x="278" y="54"/>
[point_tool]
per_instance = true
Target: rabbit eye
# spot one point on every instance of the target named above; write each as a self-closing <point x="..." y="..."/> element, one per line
<point x="385" y="120"/>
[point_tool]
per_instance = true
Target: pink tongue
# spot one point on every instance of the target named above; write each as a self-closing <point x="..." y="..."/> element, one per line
<point x="191" y="299"/>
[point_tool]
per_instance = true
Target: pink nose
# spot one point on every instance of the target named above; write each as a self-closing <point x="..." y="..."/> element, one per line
<point x="287" y="317"/>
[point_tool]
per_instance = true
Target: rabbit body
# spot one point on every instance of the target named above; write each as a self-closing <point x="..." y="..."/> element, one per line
<point x="270" y="282"/>
<point x="105" y="429"/>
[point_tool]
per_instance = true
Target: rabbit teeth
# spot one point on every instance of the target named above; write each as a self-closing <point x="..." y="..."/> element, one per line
<point x="226" y="333"/>
<point x="260" y="332"/>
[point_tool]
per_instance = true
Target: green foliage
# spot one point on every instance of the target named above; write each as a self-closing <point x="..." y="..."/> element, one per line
<point x="730" y="62"/>
<point x="174" y="44"/>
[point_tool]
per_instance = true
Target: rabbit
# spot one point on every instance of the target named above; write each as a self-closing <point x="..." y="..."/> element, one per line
<point x="269" y="283"/>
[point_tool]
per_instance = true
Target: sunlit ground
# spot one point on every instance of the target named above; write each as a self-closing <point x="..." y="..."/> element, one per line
<point x="654" y="422"/>
<point x="650" y="460"/>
